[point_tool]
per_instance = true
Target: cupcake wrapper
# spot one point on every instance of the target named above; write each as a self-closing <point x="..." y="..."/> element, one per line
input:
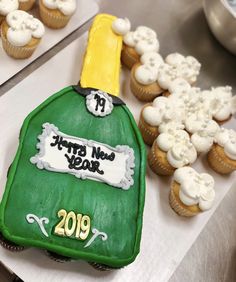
<point x="127" y="59"/>
<point x="142" y="92"/>
<point x="26" y="6"/>
<point x="177" y="207"/>
<point x="166" y="93"/>
<point x="102" y="267"/>
<point x="1" y="19"/>
<point x="217" y="163"/>
<point x="10" y="246"/>
<point x="15" y="51"/>
<point x="156" y="165"/>
<point x="57" y="257"/>
<point x="148" y="136"/>
<point x="51" y="20"/>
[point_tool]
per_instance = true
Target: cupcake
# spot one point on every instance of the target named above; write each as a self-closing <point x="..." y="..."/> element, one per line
<point x="191" y="193"/>
<point x="178" y="66"/>
<point x="26" y="5"/>
<point x="221" y="102"/>
<point x="152" y="76"/>
<point x="21" y="33"/>
<point x="7" y="6"/>
<point x="56" y="13"/>
<point x="10" y="246"/>
<point x="149" y="130"/>
<point x="136" y="43"/>
<point x="159" y="113"/>
<point x="143" y="81"/>
<point x="202" y="130"/>
<point x="222" y="156"/>
<point x="170" y="151"/>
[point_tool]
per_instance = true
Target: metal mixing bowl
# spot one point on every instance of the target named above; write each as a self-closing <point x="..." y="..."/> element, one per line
<point x="222" y="23"/>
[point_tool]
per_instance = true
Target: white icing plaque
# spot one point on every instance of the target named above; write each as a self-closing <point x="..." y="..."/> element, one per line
<point x="99" y="103"/>
<point x="84" y="158"/>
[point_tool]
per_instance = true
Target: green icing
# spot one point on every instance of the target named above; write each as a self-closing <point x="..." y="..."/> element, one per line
<point x="114" y="211"/>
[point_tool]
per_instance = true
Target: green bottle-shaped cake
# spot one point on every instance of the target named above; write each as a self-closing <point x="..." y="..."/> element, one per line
<point x="77" y="184"/>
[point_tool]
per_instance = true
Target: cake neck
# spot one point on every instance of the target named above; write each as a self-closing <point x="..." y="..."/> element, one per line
<point x="101" y="67"/>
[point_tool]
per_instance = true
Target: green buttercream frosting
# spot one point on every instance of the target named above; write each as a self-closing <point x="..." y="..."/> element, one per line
<point x="30" y="190"/>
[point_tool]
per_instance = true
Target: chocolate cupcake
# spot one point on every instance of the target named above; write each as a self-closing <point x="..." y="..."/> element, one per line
<point x="10" y="246"/>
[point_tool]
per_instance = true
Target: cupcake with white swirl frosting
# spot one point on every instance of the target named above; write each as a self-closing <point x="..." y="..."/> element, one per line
<point x="143" y="80"/>
<point x="136" y="43"/>
<point x="203" y="131"/>
<point x="171" y="150"/>
<point x="163" y="115"/>
<point x="221" y="103"/>
<point x="178" y="66"/>
<point x="21" y="34"/>
<point x="191" y="192"/>
<point x="56" y="13"/>
<point x="222" y="156"/>
<point x="176" y="73"/>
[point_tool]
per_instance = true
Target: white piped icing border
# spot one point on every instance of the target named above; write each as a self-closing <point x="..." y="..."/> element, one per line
<point x="117" y="170"/>
<point x="99" y="103"/>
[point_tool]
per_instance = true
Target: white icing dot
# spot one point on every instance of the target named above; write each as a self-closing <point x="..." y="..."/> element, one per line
<point x="121" y="26"/>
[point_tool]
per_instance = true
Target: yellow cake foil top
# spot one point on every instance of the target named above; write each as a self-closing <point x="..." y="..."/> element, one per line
<point x="101" y="68"/>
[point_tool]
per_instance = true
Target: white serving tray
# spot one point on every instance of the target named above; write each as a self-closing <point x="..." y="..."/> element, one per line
<point x="86" y="9"/>
<point x="166" y="237"/>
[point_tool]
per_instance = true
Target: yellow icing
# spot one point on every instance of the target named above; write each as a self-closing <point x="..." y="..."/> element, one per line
<point x="101" y="68"/>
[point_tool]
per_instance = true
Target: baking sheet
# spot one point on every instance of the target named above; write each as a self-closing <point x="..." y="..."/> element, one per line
<point x="86" y="9"/>
<point x="166" y="237"/>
